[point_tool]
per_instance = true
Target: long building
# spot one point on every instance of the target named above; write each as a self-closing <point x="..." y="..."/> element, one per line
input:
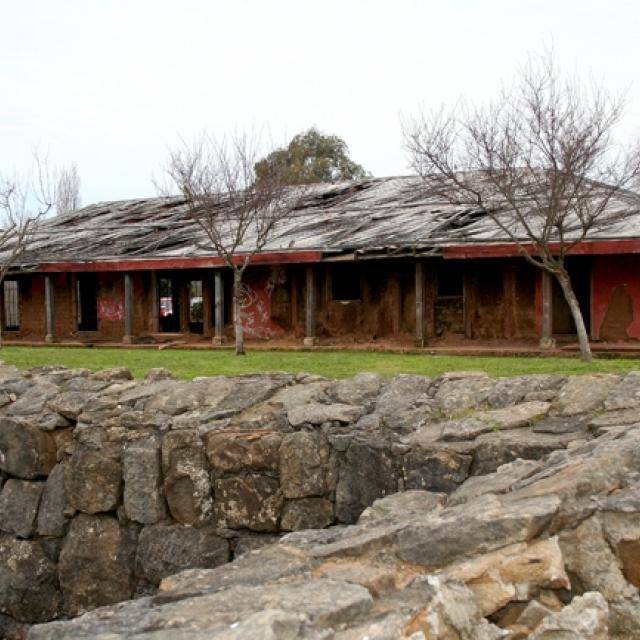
<point x="372" y="260"/>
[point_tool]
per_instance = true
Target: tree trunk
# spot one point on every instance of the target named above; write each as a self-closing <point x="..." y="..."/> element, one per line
<point x="583" y="339"/>
<point x="237" y="311"/>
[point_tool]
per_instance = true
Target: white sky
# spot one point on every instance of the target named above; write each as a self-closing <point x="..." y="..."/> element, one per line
<point x="111" y="84"/>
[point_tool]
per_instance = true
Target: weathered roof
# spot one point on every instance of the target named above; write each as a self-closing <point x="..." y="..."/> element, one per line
<point x="375" y="215"/>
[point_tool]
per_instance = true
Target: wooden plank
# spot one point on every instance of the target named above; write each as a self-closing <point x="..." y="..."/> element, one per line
<point x="180" y="263"/>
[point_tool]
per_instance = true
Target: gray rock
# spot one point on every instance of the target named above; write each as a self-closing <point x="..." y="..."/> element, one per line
<point x="70" y="403"/>
<point x="625" y="394"/>
<point x="19" y="502"/>
<point x="28" y="581"/>
<point x="300" y="394"/>
<point x="231" y="452"/>
<point x="115" y="374"/>
<point x="33" y="400"/>
<point x="359" y="390"/>
<point x="25" y="451"/>
<point x="248" y="502"/>
<point x="187" y="485"/>
<point x="582" y="394"/>
<point x="158" y="373"/>
<point x="403" y="505"/>
<point x="165" y="549"/>
<point x="463" y="429"/>
<point x="307" y="513"/>
<point x="306" y="465"/>
<point x="404" y="402"/>
<point x="176" y="399"/>
<point x="52" y="520"/>
<point x="96" y="563"/>
<point x="435" y="470"/>
<point x="467" y="393"/>
<point x="516" y="416"/>
<point x="93" y="479"/>
<point x="316" y="413"/>
<point x="500" y="481"/>
<point x="143" y="500"/>
<point x="508" y="391"/>
<point x="584" y="619"/>
<point x="495" y="449"/>
<point x="619" y="417"/>
<point x="467" y="529"/>
<point x="365" y="473"/>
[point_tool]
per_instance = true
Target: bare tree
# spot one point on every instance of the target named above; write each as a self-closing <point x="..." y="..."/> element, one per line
<point x="541" y="162"/>
<point x="68" y="190"/>
<point x="23" y="202"/>
<point x="237" y="212"/>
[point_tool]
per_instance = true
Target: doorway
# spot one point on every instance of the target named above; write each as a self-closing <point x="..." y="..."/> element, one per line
<point x="87" y="302"/>
<point x="169" y="309"/>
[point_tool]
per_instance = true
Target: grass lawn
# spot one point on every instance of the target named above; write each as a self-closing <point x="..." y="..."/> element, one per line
<point x="187" y="363"/>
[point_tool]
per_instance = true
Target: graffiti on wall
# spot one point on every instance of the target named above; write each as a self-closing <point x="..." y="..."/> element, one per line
<point x="256" y="308"/>
<point x="110" y="309"/>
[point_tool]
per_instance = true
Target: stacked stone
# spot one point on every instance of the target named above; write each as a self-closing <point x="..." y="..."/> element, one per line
<point x="109" y="485"/>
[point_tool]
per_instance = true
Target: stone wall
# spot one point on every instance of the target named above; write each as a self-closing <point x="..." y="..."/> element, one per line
<point x="109" y="485"/>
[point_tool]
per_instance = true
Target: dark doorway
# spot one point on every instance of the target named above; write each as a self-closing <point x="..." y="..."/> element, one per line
<point x="579" y="270"/>
<point x="169" y="305"/>
<point x="196" y="307"/>
<point x="87" y="302"/>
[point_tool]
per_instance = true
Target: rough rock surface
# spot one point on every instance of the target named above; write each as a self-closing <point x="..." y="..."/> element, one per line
<point x="466" y="507"/>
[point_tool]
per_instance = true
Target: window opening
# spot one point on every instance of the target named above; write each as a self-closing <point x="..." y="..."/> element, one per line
<point x="11" y="305"/>
<point x="168" y="308"/>
<point x="450" y="280"/>
<point x="196" y="309"/>
<point x="345" y="282"/>
<point x="87" y="303"/>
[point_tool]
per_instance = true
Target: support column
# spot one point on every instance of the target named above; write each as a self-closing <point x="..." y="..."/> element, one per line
<point x="546" y="339"/>
<point x="310" y="309"/>
<point x="50" y="311"/>
<point x="218" y="313"/>
<point x="128" y="309"/>
<point x="154" y="312"/>
<point x="207" y="307"/>
<point x="420" y="307"/>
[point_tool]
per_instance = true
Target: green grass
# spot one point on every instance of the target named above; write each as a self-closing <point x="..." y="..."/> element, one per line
<point x="186" y="363"/>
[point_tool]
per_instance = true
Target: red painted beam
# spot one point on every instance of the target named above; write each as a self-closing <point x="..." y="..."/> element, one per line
<point x="283" y="257"/>
<point x="507" y="250"/>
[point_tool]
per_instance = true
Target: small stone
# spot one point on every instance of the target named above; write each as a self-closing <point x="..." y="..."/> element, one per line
<point x="159" y="373"/>
<point x="305" y="465"/>
<point x="143" y="501"/>
<point x="51" y="514"/>
<point x="114" y="374"/>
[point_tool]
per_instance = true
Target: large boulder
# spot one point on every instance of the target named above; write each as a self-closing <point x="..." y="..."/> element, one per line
<point x="19" y="501"/>
<point x="143" y="499"/>
<point x="165" y="549"/>
<point x="232" y="452"/>
<point x="96" y="563"/>
<point x="28" y="581"/>
<point x="93" y="479"/>
<point x="306" y="465"/>
<point x="25" y="450"/>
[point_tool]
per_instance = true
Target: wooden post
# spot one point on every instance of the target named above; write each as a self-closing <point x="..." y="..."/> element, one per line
<point x="509" y="312"/>
<point x="420" y="307"/>
<point x="310" y="310"/>
<point x="50" y="311"/>
<point x="154" y="311"/>
<point x="128" y="309"/>
<point x="546" y="339"/>
<point x="218" y="313"/>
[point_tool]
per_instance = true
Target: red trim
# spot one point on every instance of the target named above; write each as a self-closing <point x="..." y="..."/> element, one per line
<point x="504" y="250"/>
<point x="179" y="263"/>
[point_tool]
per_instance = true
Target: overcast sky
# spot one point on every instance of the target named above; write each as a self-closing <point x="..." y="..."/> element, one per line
<point x="111" y="84"/>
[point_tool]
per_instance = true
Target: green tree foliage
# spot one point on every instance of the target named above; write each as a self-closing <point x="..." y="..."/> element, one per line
<point x="311" y="157"/>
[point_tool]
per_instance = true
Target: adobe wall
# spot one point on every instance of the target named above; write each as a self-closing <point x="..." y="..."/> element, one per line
<point x="616" y="298"/>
